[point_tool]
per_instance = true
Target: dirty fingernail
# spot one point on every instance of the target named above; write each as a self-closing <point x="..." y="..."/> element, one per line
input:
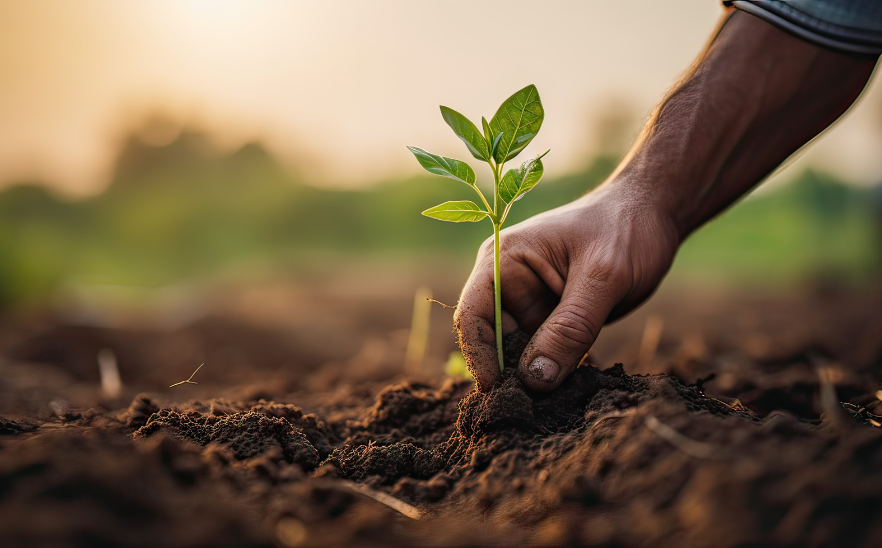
<point x="544" y="369"/>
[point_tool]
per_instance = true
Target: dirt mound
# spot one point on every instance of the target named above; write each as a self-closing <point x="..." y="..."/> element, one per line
<point x="426" y="444"/>
<point x="75" y="487"/>
<point x="245" y="434"/>
<point x="9" y="427"/>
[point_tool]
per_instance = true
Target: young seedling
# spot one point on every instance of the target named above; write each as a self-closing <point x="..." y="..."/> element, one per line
<point x="509" y="131"/>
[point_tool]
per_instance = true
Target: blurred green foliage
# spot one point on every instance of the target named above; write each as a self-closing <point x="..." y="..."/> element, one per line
<point x="815" y="230"/>
<point x="184" y="211"/>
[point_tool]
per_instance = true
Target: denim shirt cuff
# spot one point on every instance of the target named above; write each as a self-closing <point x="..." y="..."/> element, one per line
<point x="853" y="26"/>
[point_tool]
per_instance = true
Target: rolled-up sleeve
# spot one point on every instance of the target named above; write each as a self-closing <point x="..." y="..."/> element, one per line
<point x="847" y="25"/>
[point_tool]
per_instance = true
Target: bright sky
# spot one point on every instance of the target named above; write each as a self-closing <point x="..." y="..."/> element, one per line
<point x="344" y="84"/>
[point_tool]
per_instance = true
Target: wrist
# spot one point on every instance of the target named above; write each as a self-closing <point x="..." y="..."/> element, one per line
<point x="654" y="210"/>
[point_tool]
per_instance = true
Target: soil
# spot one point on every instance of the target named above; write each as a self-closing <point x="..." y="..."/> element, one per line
<point x="713" y="439"/>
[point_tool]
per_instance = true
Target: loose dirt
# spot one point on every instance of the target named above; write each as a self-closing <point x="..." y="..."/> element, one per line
<point x="759" y="456"/>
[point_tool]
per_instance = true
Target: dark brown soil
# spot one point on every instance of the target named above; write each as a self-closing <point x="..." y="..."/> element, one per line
<point x="607" y="459"/>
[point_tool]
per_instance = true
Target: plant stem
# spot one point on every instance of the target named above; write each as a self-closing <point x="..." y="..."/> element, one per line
<point x="497" y="274"/>
<point x="481" y="194"/>
<point x="497" y="295"/>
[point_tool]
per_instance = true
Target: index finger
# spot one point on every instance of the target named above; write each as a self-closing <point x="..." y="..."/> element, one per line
<point x="474" y="325"/>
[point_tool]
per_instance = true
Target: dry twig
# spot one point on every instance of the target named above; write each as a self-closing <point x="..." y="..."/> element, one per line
<point x="827" y="375"/>
<point x="691" y="447"/>
<point x="398" y="505"/>
<point x="189" y="380"/>
<point x="651" y="337"/>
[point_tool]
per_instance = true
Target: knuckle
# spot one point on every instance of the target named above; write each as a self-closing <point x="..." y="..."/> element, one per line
<point x="573" y="327"/>
<point x="515" y="247"/>
<point x="507" y="239"/>
<point x="609" y="272"/>
<point x="486" y="248"/>
<point x="619" y="277"/>
<point x="514" y="237"/>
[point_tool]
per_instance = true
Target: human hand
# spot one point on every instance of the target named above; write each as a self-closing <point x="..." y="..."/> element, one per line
<point x="565" y="273"/>
<point x="755" y="95"/>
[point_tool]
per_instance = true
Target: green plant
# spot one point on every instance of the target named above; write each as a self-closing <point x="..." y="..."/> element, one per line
<point x="456" y="366"/>
<point x="510" y="130"/>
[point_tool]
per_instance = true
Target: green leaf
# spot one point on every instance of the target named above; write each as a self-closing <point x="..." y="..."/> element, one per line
<point x="495" y="145"/>
<point x="456" y="212"/>
<point x="520" y="118"/>
<point x="517" y="182"/>
<point x="467" y="131"/>
<point x="488" y="134"/>
<point x="445" y="167"/>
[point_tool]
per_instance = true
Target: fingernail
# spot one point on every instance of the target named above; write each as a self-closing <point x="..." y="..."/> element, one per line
<point x="544" y="369"/>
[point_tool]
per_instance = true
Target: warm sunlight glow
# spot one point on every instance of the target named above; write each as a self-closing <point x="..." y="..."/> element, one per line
<point x="214" y="12"/>
<point x="309" y="79"/>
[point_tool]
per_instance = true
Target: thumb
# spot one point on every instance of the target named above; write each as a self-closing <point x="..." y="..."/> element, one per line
<point x="562" y="340"/>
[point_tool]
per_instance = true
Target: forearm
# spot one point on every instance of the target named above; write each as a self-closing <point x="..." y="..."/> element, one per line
<point x="756" y="96"/>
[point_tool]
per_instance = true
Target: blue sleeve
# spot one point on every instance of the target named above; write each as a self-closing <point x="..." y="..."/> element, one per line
<point x="847" y="25"/>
